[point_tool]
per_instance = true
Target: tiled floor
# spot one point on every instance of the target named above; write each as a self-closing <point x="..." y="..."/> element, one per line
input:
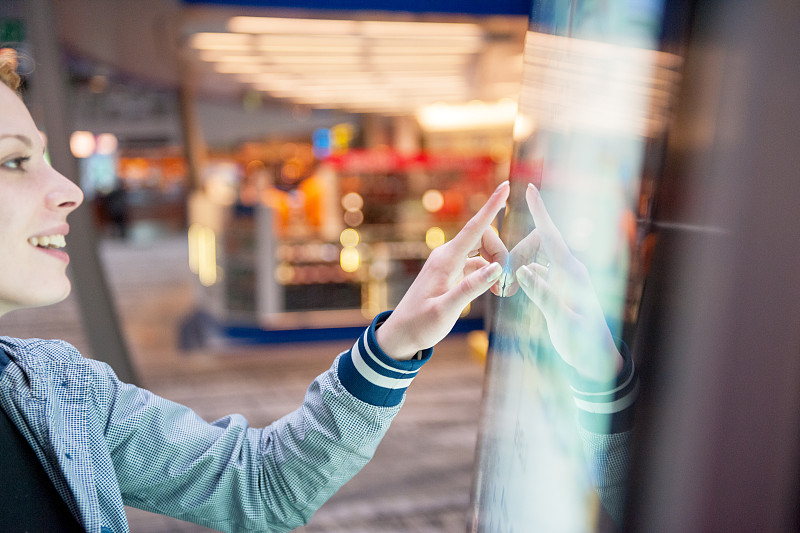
<point x="420" y="477"/>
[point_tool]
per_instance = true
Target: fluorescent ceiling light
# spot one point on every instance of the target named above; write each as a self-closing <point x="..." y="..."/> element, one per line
<point x="315" y="60"/>
<point x="329" y="49"/>
<point x="468" y="117"/>
<point x="383" y="65"/>
<point x="291" y="26"/>
<point x="220" y="56"/>
<point x="220" y="41"/>
<point x="420" y="60"/>
<point x="387" y="68"/>
<point x="307" y="40"/>
<point x="427" y="40"/>
<point x="294" y="26"/>
<point x="407" y="29"/>
<point x="237" y="68"/>
<point x="609" y="87"/>
<point x="320" y="68"/>
<point x="416" y="49"/>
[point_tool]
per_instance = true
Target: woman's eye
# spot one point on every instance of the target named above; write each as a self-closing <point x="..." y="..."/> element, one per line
<point x="16" y="163"/>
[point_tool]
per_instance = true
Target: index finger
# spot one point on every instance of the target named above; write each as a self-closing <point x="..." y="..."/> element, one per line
<point x="470" y="236"/>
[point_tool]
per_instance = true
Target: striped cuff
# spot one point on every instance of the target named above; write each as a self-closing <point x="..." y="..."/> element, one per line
<point x="607" y="407"/>
<point x="372" y="376"/>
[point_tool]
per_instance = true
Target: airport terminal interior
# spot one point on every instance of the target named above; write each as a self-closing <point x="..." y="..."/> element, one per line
<point x="263" y="178"/>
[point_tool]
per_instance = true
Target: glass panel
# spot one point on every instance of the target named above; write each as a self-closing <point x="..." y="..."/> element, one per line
<point x="597" y="92"/>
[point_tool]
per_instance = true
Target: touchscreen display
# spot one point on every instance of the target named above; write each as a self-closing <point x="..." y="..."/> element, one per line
<point x="597" y="91"/>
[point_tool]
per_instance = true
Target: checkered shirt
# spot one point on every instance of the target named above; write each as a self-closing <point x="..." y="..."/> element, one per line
<point x="106" y="444"/>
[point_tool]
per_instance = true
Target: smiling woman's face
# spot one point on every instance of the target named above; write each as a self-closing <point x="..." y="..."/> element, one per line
<point x="34" y="203"/>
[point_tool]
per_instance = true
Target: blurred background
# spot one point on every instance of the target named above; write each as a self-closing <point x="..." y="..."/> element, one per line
<point x="342" y="145"/>
<point x="260" y="181"/>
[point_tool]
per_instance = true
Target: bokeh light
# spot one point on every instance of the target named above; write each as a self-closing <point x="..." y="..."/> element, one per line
<point x="353" y="218"/>
<point x="349" y="259"/>
<point x="432" y="200"/>
<point x="434" y="237"/>
<point x="107" y="143"/>
<point x="284" y="273"/>
<point x="352" y="201"/>
<point x="349" y="237"/>
<point x="82" y="144"/>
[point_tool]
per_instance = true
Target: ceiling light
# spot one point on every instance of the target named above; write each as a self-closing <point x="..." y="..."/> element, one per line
<point x="291" y="26"/>
<point x="327" y="49"/>
<point x="442" y="117"/>
<point x="219" y="41"/>
<point x="220" y="56"/>
<point x="314" y="59"/>
<point x="312" y="42"/>
<point x="237" y="68"/>
<point x="421" y="60"/>
<point x="406" y="29"/>
<point x="417" y="49"/>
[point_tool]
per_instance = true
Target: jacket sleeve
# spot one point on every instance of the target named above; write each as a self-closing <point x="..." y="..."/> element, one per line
<point x="228" y="476"/>
<point x="605" y="419"/>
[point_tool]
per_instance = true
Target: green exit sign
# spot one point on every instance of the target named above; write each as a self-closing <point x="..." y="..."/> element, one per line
<point x="11" y="31"/>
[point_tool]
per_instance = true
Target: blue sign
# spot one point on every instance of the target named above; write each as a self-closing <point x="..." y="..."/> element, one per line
<point x="461" y="7"/>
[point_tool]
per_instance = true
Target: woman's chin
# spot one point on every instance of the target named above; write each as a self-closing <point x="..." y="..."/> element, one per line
<point x="59" y="296"/>
<point x="43" y="297"/>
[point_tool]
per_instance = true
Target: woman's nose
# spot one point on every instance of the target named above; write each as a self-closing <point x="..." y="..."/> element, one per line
<point x="65" y="194"/>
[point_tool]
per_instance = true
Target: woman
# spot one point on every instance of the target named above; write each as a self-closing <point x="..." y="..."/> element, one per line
<point x="88" y="443"/>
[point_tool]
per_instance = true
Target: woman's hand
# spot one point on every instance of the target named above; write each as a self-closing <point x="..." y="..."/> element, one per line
<point x="451" y="278"/>
<point x="560" y="287"/>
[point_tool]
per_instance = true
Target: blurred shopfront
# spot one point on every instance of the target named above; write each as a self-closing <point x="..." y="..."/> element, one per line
<point x="284" y="238"/>
<point x="311" y="157"/>
<point x="403" y="127"/>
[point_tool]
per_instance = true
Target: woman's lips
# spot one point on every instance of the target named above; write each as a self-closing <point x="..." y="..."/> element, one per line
<point x="48" y="241"/>
<point x="51" y="245"/>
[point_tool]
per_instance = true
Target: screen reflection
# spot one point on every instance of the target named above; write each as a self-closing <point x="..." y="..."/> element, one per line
<point x="560" y="387"/>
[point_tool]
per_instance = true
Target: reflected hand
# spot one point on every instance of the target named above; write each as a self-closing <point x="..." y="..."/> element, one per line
<point x="562" y="289"/>
<point x="450" y="279"/>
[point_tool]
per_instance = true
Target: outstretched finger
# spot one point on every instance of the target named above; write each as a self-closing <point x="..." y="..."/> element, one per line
<point x="551" y="239"/>
<point x="470" y="236"/>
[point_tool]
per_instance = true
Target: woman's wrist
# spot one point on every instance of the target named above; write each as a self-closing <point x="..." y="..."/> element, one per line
<point x="392" y="343"/>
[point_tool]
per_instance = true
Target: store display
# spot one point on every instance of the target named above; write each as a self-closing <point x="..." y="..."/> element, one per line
<point x="342" y="237"/>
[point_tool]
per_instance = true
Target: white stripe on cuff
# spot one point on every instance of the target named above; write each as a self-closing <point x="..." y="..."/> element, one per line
<point x="373" y="377"/>
<point x="382" y="364"/>
<point x="608" y="407"/>
<point x="627" y="381"/>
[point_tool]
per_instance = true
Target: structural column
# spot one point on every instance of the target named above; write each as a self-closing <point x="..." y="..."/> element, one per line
<point x="49" y="96"/>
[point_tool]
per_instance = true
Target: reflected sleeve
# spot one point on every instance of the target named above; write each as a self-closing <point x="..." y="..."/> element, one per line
<point x="607" y="407"/>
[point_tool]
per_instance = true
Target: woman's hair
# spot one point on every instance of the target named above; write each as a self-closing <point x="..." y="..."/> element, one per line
<point x="8" y="68"/>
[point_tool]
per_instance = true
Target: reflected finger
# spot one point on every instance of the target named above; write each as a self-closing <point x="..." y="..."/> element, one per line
<point x="532" y="279"/>
<point x="551" y="239"/>
<point x="526" y="249"/>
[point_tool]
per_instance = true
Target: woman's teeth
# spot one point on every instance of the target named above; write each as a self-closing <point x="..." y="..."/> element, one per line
<point x="48" y="241"/>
